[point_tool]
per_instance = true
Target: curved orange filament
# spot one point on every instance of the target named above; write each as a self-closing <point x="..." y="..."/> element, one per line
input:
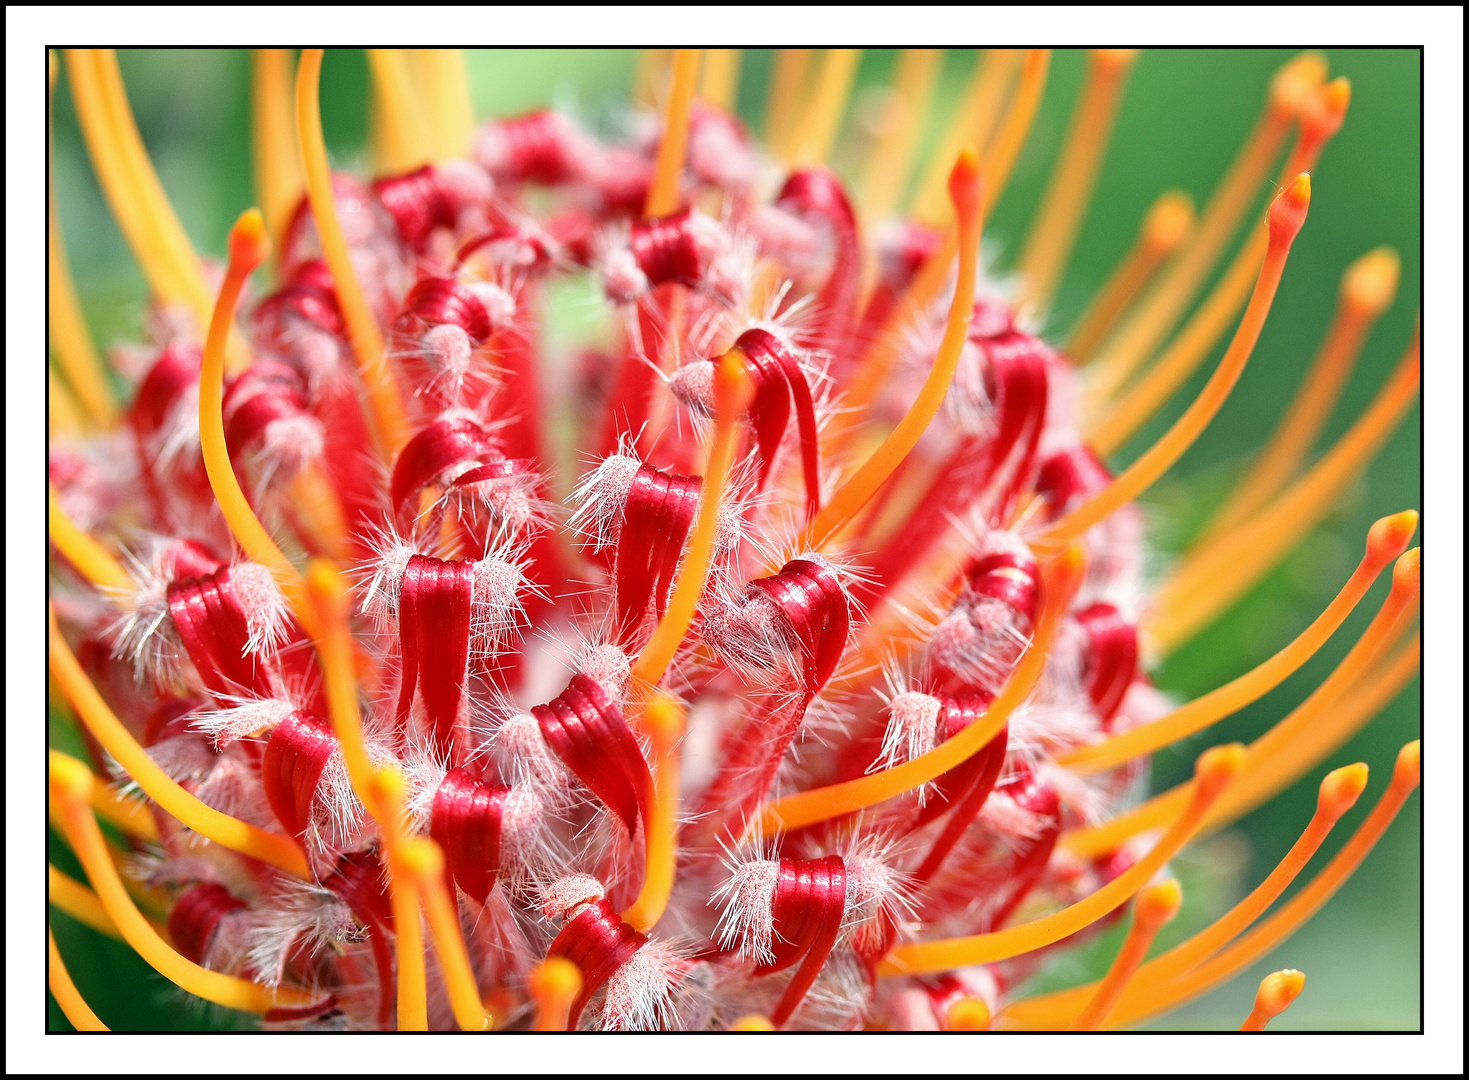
<point x="73" y="1005"/>
<point x="1367" y="290"/>
<point x="129" y="184"/>
<point x="1276" y="993"/>
<point x="1287" y="215"/>
<point x="787" y="85"/>
<point x="71" y="342"/>
<point x="1099" y="839"/>
<point x="554" y="984"/>
<point x="1004" y="149"/>
<point x="1060" y="580"/>
<point x="1212" y="578"/>
<point x="327" y="595"/>
<point x="1213" y="772"/>
<point x="90" y="558"/>
<point x="443" y="83"/>
<point x="1359" y="703"/>
<point x="1053" y="234"/>
<point x="720" y="79"/>
<point x="663" y="720"/>
<point x="1338" y="793"/>
<point x="1168" y="224"/>
<point x="401" y="114"/>
<point x="383" y="794"/>
<point x="81" y="903"/>
<point x="1149" y="324"/>
<point x="1387" y="540"/>
<point x="1182" y="358"/>
<point x="1270" y="933"/>
<point x="891" y="158"/>
<point x="424" y="862"/>
<point x="70" y="787"/>
<point x="63" y="413"/>
<point x="275" y="849"/>
<point x="249" y="247"/>
<point x="732" y="393"/>
<point x="277" y="158"/>
<point x="1187" y="352"/>
<point x="129" y="815"/>
<point x="651" y="76"/>
<point x="816" y="128"/>
<point x="663" y="192"/>
<point x="965" y="187"/>
<point x="1155" y="908"/>
<point x="367" y="340"/>
<point x="973" y="124"/>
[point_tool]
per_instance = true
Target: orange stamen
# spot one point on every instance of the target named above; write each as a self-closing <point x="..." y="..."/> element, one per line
<point x="1168" y="224"/>
<point x="277" y="158"/>
<point x="1222" y="570"/>
<point x="81" y="903"/>
<point x="1140" y="334"/>
<point x="1155" y="908"/>
<point x="249" y="247"/>
<point x="973" y="124"/>
<point x="71" y="789"/>
<point x="554" y="983"/>
<point x="1367" y="290"/>
<point x="732" y="392"/>
<point x="274" y="848"/>
<point x="891" y="158"/>
<point x="1182" y="358"/>
<point x="720" y="79"/>
<point x="1059" y="583"/>
<point x="90" y="558"/>
<point x="787" y="86"/>
<point x="1338" y="793"/>
<point x="443" y="84"/>
<point x="1287" y="215"/>
<point x="129" y="815"/>
<point x="1359" y="703"/>
<point x="63" y="414"/>
<point x="651" y="75"/>
<point x="1275" y="995"/>
<point x="111" y="147"/>
<point x="401" y="114"/>
<point x="367" y="339"/>
<point x="424" y="862"/>
<point x="1004" y="149"/>
<point x="816" y="127"/>
<point x="967" y="1014"/>
<point x="326" y="591"/>
<point x="383" y="795"/>
<point x="965" y="189"/>
<point x="1387" y="540"/>
<point x="1100" y="839"/>
<point x="1212" y="773"/>
<point x="663" y="192"/>
<point x="1208" y="324"/>
<point x="73" y="1005"/>
<point x="1406" y="776"/>
<point x="663" y="720"/>
<point x="1053" y="234"/>
<point x="76" y="355"/>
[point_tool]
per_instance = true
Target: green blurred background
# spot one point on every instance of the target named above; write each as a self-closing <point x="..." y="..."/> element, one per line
<point x="1182" y="118"/>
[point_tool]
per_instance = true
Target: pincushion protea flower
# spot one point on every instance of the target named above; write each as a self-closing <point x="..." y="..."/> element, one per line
<point x="811" y="694"/>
